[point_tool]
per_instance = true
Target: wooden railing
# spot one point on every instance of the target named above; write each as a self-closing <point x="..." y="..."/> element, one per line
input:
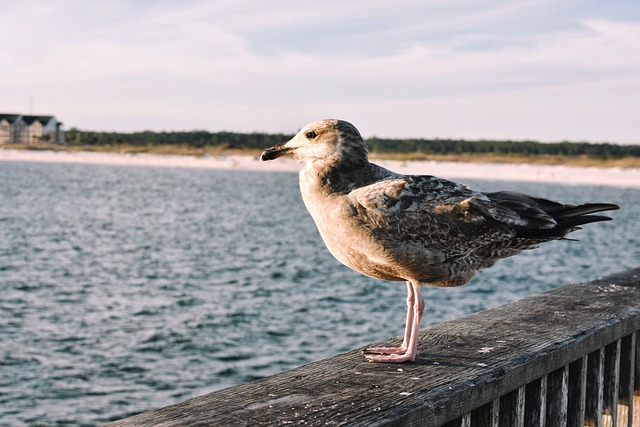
<point x="567" y="357"/>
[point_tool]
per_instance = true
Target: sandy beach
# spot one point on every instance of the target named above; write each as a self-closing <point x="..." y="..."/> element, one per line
<point x="451" y="170"/>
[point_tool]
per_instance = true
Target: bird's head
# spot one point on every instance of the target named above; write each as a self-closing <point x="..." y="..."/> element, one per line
<point x="330" y="141"/>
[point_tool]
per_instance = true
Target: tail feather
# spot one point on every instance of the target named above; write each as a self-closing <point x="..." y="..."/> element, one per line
<point x="569" y="211"/>
<point x="569" y="218"/>
<point x="581" y="220"/>
<point x="546" y="219"/>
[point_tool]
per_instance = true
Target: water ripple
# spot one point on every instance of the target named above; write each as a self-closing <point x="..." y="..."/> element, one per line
<point x="125" y="288"/>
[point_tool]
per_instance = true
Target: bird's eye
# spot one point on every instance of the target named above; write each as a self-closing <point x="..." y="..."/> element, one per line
<point x="311" y="134"/>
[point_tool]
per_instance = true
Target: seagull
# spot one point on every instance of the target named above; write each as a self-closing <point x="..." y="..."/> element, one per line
<point x="417" y="229"/>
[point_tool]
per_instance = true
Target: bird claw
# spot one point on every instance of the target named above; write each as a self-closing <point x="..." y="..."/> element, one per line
<point x="388" y="355"/>
<point x="384" y="350"/>
<point x="390" y="358"/>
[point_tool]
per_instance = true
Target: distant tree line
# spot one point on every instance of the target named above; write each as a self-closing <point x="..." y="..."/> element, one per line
<point x="457" y="146"/>
<point x="198" y="138"/>
<point x="202" y="139"/>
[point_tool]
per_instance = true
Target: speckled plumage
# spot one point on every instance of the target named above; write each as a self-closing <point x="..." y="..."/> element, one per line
<point x="418" y="229"/>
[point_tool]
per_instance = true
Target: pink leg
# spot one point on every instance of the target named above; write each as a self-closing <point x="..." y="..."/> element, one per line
<point x="407" y="329"/>
<point x="408" y="350"/>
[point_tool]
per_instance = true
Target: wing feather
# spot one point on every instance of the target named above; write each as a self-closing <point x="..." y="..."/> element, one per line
<point x="437" y="213"/>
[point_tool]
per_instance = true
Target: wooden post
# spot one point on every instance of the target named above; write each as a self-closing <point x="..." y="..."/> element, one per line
<point x="577" y="392"/>
<point x="535" y="403"/>
<point x="611" y="384"/>
<point x="558" y="397"/>
<point x="627" y="377"/>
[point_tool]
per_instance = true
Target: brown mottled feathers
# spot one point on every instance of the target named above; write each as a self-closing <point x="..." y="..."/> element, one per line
<point x="472" y="230"/>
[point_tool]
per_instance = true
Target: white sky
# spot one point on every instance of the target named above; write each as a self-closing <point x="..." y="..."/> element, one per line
<point x="544" y="70"/>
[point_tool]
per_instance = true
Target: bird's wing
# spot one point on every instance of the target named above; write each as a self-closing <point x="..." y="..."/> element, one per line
<point x="441" y="214"/>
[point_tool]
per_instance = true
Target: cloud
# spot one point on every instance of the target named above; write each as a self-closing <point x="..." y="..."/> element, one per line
<point x="196" y="64"/>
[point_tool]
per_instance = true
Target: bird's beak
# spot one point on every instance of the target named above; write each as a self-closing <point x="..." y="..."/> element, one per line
<point x="275" y="152"/>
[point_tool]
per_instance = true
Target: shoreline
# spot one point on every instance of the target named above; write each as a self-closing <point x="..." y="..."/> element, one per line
<point x="529" y="172"/>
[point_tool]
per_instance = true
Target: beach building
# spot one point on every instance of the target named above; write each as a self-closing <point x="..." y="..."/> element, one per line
<point x="30" y="129"/>
<point x="7" y="127"/>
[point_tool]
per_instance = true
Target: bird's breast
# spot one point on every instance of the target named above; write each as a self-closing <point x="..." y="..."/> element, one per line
<point x="359" y="237"/>
<point x="348" y="239"/>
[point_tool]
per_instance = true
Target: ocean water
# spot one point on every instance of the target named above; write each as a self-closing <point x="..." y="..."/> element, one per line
<point x="126" y="288"/>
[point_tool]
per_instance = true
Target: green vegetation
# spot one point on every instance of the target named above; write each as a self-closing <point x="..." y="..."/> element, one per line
<point x="231" y="140"/>
<point x="195" y="139"/>
<point x="527" y="148"/>
<point x="203" y="143"/>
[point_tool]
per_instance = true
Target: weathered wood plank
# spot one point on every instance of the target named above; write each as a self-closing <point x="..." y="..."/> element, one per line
<point x="557" y="397"/>
<point x="463" y="421"/>
<point x="627" y="378"/>
<point x="535" y="403"/>
<point x="636" y="386"/>
<point x="461" y="366"/>
<point x="595" y="388"/>
<point x="577" y="392"/>
<point x="611" y="383"/>
<point x="512" y="408"/>
<point x="480" y="417"/>
<point x="495" y="412"/>
<point x="488" y="415"/>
